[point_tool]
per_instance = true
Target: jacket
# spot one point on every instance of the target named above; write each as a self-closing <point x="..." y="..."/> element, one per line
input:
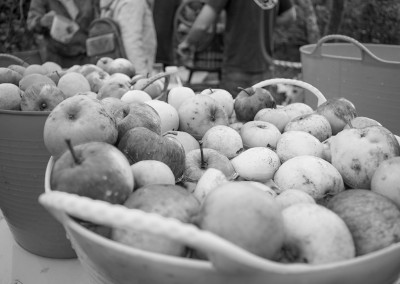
<point x="86" y="15"/>
<point x="135" y="19"/>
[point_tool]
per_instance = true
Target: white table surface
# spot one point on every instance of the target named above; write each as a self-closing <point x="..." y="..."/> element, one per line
<point x="17" y="266"/>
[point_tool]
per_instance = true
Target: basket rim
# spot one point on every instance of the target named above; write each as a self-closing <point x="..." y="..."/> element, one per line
<point x="25" y="112"/>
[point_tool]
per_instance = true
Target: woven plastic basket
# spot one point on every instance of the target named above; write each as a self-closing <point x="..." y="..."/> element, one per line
<point x="107" y="261"/>
<point x="366" y="74"/>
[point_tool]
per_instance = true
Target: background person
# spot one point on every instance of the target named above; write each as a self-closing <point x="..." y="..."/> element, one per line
<point x="244" y="63"/>
<point x="135" y="19"/>
<point x="40" y="19"/>
<point x="164" y="16"/>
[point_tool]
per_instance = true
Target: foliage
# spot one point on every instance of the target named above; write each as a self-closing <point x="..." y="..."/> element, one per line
<point x="13" y="33"/>
<point x="372" y="21"/>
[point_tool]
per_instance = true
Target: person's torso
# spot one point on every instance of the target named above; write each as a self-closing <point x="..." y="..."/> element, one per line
<point x="242" y="41"/>
<point x="85" y="16"/>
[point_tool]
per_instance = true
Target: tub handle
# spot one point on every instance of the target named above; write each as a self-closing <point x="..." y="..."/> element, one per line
<point x="366" y="54"/>
<point x="317" y="93"/>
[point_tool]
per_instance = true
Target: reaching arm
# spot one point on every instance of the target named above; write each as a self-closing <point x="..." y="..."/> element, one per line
<point x="203" y="22"/>
<point x="287" y="17"/>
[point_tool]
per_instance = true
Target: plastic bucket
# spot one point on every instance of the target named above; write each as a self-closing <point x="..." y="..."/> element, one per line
<point x="23" y="160"/>
<point x="366" y="74"/>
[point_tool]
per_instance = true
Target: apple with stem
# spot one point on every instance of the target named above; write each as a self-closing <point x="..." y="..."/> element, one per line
<point x="199" y="160"/>
<point x="250" y="100"/>
<point x="96" y="170"/>
<point x="41" y="97"/>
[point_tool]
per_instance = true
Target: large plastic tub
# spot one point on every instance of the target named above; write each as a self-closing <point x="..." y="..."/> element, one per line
<point x="366" y="74"/>
<point x="23" y="160"/>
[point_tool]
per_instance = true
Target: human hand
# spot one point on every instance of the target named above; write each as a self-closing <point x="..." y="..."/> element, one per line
<point x="47" y="19"/>
<point x="184" y="50"/>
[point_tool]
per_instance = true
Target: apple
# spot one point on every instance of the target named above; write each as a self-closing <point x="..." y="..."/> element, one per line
<point x="199" y="160"/>
<point x="249" y="101"/>
<point x="167" y="200"/>
<point x="338" y="111"/>
<point x="8" y="75"/>
<point x="31" y="79"/>
<point x="41" y="97"/>
<point x="112" y="89"/>
<point x="72" y="83"/>
<point x="135" y="96"/>
<point x="96" y="170"/>
<point x="148" y="172"/>
<point x="140" y="143"/>
<point x="178" y="94"/>
<point x="121" y="65"/>
<point x="154" y="89"/>
<point x="188" y="141"/>
<point x="80" y="119"/>
<point x="296" y="109"/>
<point x="10" y="96"/>
<point x="311" y="174"/>
<point x="199" y="113"/>
<point x="258" y="133"/>
<point x="115" y="107"/>
<point x="88" y="68"/>
<point x="74" y="68"/>
<point x="224" y="139"/>
<point x="56" y="75"/>
<point x="139" y="114"/>
<point x="373" y="219"/>
<point x="297" y="143"/>
<point x="361" y="122"/>
<point x="104" y="62"/>
<point x="261" y="186"/>
<point x="168" y="114"/>
<point x="386" y="180"/>
<point x="315" y="235"/>
<point x="97" y="79"/>
<point x="293" y="196"/>
<point x="236" y="126"/>
<point x="256" y="164"/>
<point x="245" y="216"/>
<point x="313" y="123"/>
<point x="51" y="67"/>
<point x="223" y="97"/>
<point x="120" y="78"/>
<point x="276" y="116"/>
<point x="17" y="68"/>
<point x="357" y="153"/>
<point x="90" y="94"/>
<point x="35" y="69"/>
<point x="211" y="179"/>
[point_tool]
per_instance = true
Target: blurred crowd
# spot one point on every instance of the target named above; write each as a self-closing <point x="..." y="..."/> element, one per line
<point x="151" y="33"/>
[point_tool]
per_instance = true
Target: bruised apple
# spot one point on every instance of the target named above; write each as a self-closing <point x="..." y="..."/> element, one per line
<point x="199" y="113"/>
<point x="358" y="152"/>
<point x="81" y="119"/>
<point x="41" y="97"/>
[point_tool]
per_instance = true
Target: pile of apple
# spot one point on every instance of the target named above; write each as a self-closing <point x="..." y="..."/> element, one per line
<point x="287" y="183"/>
